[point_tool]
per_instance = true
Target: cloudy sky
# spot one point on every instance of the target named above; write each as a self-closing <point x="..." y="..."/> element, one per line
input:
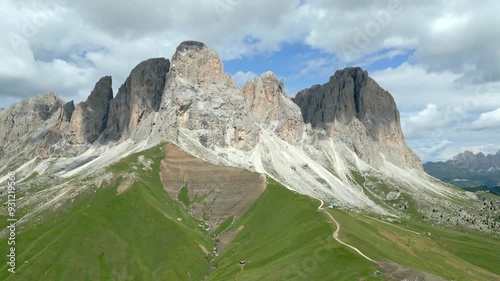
<point x="439" y="59"/>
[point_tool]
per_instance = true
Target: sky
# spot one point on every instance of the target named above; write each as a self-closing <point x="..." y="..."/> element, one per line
<point x="439" y="59"/>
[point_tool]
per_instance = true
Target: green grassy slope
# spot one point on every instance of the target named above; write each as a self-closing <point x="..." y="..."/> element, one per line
<point x="285" y="237"/>
<point x="105" y="236"/>
<point x="448" y="253"/>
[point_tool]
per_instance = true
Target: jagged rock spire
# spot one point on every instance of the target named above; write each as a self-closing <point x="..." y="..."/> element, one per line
<point x="90" y="117"/>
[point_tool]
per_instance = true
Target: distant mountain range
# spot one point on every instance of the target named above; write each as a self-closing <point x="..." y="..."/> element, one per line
<point x="470" y="171"/>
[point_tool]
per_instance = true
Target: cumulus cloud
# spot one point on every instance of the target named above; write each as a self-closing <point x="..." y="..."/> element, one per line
<point x="438" y="147"/>
<point x="425" y="122"/>
<point x="240" y="77"/>
<point x="413" y="87"/>
<point x="487" y="120"/>
<point x="445" y="150"/>
<point x="66" y="46"/>
<point x="434" y="29"/>
<point x="435" y="151"/>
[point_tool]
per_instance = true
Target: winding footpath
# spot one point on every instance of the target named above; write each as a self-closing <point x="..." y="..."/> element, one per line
<point x="336" y="233"/>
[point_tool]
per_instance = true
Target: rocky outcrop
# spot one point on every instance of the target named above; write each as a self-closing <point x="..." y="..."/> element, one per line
<point x="201" y="100"/>
<point x="349" y="94"/>
<point x="199" y="65"/>
<point x="354" y="108"/>
<point x="68" y="109"/>
<point x="266" y="101"/>
<point x="90" y="118"/>
<point x="29" y="128"/>
<point x="137" y="98"/>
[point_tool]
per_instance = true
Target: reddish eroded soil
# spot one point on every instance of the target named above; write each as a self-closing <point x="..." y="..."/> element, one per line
<point x="215" y="192"/>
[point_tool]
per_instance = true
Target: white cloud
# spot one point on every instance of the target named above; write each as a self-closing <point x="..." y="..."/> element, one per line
<point x="487" y="120"/>
<point x="489" y="148"/>
<point x="457" y="37"/>
<point x="435" y="151"/>
<point x="400" y="42"/>
<point x="424" y="122"/>
<point x="240" y="77"/>
<point x="413" y="88"/>
<point x="445" y="150"/>
<point x="439" y="147"/>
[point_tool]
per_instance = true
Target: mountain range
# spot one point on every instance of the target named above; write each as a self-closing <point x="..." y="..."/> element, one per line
<point x="182" y="175"/>
<point x="469" y="171"/>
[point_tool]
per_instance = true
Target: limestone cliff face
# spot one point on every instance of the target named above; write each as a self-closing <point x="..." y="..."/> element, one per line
<point x="90" y="118"/>
<point x="266" y="100"/>
<point x="137" y="98"/>
<point x="30" y="128"/>
<point x="68" y="109"/>
<point x="193" y="103"/>
<point x="200" y="65"/>
<point x="354" y="108"/>
<point x="201" y="100"/>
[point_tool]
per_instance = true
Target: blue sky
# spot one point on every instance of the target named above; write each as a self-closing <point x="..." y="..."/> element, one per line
<point x="440" y="60"/>
<point x="302" y="66"/>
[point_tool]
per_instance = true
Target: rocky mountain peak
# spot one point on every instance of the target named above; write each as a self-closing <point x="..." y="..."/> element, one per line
<point x="68" y="109"/>
<point x="267" y="101"/>
<point x="353" y="107"/>
<point x="263" y="92"/>
<point x="44" y="106"/>
<point x="189" y="46"/>
<point x="350" y="93"/>
<point x="43" y="98"/>
<point x="29" y="128"/>
<point x="356" y="78"/>
<point x="102" y="90"/>
<point x="197" y="64"/>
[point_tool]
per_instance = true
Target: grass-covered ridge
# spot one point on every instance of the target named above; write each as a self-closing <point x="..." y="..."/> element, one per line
<point x="106" y="236"/>
<point x="448" y="253"/>
<point x="285" y="237"/>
